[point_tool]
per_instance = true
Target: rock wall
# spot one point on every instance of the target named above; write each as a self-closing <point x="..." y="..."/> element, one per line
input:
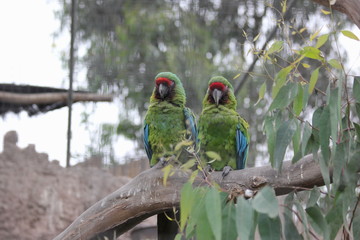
<point x="39" y="199"/>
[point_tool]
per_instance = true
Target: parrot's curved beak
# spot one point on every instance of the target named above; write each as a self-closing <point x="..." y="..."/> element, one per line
<point x="217" y="94"/>
<point x="163" y="90"/>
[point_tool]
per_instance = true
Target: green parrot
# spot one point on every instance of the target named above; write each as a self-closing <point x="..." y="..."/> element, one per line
<point x="221" y="129"/>
<point x="167" y="123"/>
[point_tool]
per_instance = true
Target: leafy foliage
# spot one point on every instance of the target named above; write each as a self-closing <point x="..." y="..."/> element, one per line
<point x="332" y="137"/>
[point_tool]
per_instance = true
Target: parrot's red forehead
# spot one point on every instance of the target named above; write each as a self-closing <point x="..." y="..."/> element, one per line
<point x="164" y="80"/>
<point x="218" y="85"/>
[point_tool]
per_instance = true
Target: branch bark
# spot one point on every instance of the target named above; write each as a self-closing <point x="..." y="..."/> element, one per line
<point x="146" y="195"/>
<point x="47" y="98"/>
<point x="349" y="7"/>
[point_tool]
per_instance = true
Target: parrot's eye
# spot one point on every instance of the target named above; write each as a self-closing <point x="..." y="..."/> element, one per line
<point x="217" y="85"/>
<point x="163" y="80"/>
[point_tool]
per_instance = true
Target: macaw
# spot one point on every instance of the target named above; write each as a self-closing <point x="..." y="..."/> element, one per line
<point x="221" y="129"/>
<point x="167" y="123"/>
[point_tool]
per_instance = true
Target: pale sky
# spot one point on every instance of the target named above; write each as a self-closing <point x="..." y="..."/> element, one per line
<point x="29" y="55"/>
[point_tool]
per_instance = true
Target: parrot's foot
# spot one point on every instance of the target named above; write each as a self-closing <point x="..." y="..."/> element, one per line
<point x="163" y="161"/>
<point x="167" y="159"/>
<point x="226" y="171"/>
<point x="206" y="170"/>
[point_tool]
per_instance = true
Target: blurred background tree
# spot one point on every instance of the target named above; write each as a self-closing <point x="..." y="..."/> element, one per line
<point x="128" y="42"/>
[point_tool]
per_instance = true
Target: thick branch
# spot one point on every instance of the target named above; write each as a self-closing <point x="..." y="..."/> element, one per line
<point x="349" y="7"/>
<point x="47" y="98"/>
<point x="146" y="195"/>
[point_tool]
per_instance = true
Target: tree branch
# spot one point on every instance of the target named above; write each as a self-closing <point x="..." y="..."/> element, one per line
<point x="47" y="98"/>
<point x="349" y="7"/>
<point x="146" y="195"/>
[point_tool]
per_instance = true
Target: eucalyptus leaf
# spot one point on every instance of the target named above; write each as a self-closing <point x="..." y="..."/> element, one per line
<point x="298" y="101"/>
<point x="317" y="221"/>
<point x="269" y="228"/>
<point x="266" y="202"/>
<point x="280" y="79"/>
<point x="285" y="96"/>
<point x="356" y="89"/>
<point x="245" y="216"/>
<point x="283" y="138"/>
<point x="229" y="222"/>
<point x="213" y="212"/>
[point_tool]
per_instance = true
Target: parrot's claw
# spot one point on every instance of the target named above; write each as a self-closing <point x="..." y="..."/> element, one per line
<point x="207" y="169"/>
<point x="226" y="171"/>
<point x="163" y="161"/>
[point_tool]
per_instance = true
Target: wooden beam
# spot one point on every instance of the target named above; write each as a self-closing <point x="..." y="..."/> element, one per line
<point x="48" y="98"/>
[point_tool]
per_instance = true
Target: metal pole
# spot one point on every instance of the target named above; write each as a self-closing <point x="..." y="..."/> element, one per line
<point x="71" y="77"/>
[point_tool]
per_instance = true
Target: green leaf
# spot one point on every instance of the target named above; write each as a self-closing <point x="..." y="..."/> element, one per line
<point x="335" y="120"/>
<point x="334" y="217"/>
<point x="203" y="225"/>
<point x="306" y="136"/>
<point x="356" y="226"/>
<point x="286" y="95"/>
<point x="178" y="237"/>
<point x="270" y="130"/>
<point x="167" y="172"/>
<point x="325" y="12"/>
<point x="305" y="65"/>
<point x="265" y="202"/>
<point x="339" y="161"/>
<point x="303" y="217"/>
<point x="317" y="221"/>
<point x="335" y="64"/>
<point x="325" y="131"/>
<point x="356" y="90"/>
<point x="213" y="212"/>
<point x="269" y="228"/>
<point x="186" y="202"/>
<point x="283" y="138"/>
<point x="298" y="101"/>
<point x="350" y="34"/>
<point x="321" y="40"/>
<point x="245" y="217"/>
<point x="280" y="79"/>
<point x="198" y="211"/>
<point x="213" y="155"/>
<point x="261" y="92"/>
<point x="357" y="130"/>
<point x="313" y="198"/>
<point x="187" y="165"/>
<point x="311" y="52"/>
<point x="296" y="138"/>
<point x="275" y="47"/>
<point x="357" y="109"/>
<point x="290" y="230"/>
<point x="313" y="79"/>
<point x="314" y="35"/>
<point x="229" y="222"/>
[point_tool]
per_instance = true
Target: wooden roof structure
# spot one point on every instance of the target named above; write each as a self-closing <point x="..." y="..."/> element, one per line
<point x="37" y="99"/>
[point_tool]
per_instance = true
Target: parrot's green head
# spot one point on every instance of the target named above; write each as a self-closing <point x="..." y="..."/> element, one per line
<point x="220" y="92"/>
<point x="168" y="87"/>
